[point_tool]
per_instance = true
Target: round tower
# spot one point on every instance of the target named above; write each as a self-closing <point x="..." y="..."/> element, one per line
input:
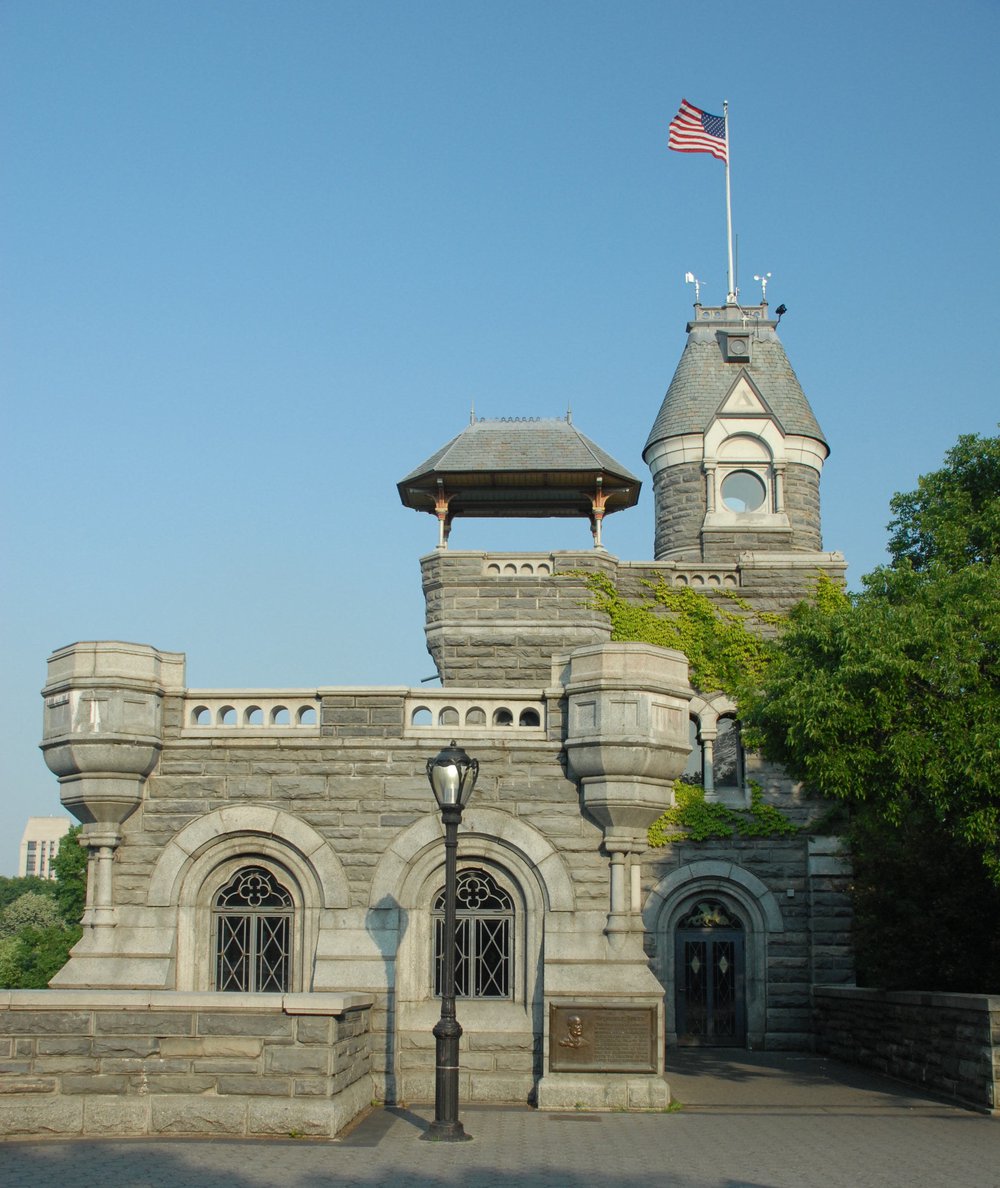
<point x="735" y="452"/>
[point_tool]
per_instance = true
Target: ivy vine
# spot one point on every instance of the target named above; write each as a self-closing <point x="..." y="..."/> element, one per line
<point x="723" y="653"/>
<point x="724" y="641"/>
<point x="692" y="818"/>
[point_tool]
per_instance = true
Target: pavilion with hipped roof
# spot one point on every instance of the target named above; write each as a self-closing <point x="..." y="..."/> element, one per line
<point x="519" y="467"/>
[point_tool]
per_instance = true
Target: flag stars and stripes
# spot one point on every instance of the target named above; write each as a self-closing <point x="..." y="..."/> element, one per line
<point x="695" y="131"/>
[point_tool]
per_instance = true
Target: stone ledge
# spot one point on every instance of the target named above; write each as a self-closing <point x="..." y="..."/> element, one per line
<point x="916" y="998"/>
<point x="319" y="1003"/>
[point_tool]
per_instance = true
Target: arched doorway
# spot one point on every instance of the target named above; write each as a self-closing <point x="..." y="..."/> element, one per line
<point x="710" y="975"/>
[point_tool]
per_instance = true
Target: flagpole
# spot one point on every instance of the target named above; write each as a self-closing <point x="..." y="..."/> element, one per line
<point x="731" y="297"/>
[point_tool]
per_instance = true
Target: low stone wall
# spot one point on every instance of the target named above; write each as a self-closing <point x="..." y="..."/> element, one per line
<point x="949" y="1043"/>
<point x="102" y="1062"/>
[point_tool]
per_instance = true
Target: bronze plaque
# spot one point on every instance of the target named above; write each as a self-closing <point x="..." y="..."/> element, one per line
<point x="602" y="1039"/>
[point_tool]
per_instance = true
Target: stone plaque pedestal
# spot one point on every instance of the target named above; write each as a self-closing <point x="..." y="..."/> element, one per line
<point x="604" y="1056"/>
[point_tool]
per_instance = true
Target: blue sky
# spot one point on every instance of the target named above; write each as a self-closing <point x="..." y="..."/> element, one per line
<point x="258" y="258"/>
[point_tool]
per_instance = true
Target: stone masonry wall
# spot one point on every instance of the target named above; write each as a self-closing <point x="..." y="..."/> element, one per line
<point x="361" y="795"/>
<point x="949" y="1043"/>
<point x="679" y="498"/>
<point x="784" y="1013"/>
<point x="802" y="505"/>
<point x="500" y="629"/>
<point x="135" y="1063"/>
<point x="679" y="495"/>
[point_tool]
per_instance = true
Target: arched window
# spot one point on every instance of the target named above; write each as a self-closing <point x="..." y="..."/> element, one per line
<point x="692" y="773"/>
<point x="253" y="933"/>
<point x="484" y="937"/>
<point x="727" y="755"/>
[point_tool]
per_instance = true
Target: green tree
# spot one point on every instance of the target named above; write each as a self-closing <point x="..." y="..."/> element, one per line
<point x="70" y="867"/>
<point x="39" y="955"/>
<point x="40" y="927"/>
<point x="953" y="517"/>
<point x="913" y="932"/>
<point x="30" y="910"/>
<point x="891" y="698"/>
<point x="12" y="888"/>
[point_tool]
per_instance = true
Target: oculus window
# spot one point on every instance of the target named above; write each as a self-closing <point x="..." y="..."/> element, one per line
<point x="743" y="491"/>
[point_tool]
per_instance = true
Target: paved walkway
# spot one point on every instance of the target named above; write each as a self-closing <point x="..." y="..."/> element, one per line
<point x="749" y="1119"/>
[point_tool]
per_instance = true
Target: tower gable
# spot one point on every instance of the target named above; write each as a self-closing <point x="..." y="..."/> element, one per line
<point x="744" y="399"/>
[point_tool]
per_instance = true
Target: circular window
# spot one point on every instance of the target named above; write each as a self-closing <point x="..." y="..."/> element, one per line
<point x="743" y="491"/>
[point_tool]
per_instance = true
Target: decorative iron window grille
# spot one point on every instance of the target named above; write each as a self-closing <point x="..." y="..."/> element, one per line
<point x="253" y="933"/>
<point x="484" y="937"/>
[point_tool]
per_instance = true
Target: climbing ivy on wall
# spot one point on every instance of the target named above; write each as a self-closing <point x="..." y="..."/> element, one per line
<point x="724" y="655"/>
<point x="692" y="818"/>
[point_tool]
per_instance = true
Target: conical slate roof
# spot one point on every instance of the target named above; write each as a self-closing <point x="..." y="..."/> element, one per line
<point x="708" y="369"/>
<point x="520" y="467"/>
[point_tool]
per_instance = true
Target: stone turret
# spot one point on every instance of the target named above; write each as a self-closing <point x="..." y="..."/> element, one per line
<point x="736" y="452"/>
<point x="103" y="737"/>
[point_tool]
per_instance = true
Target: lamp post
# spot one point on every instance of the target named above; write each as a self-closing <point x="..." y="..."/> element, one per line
<point x="452" y="775"/>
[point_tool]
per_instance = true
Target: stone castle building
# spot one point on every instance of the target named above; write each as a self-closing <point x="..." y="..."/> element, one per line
<point x="276" y="854"/>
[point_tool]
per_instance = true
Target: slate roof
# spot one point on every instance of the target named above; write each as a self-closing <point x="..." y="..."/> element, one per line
<point x="519" y="466"/>
<point x="520" y="444"/>
<point x="704" y="377"/>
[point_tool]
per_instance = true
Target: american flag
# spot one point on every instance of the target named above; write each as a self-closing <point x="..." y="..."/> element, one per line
<point x="695" y="131"/>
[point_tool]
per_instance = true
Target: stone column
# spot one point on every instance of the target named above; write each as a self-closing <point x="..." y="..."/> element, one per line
<point x="708" y="737"/>
<point x="779" y="487"/>
<point x="709" y="469"/>
<point x="102" y="738"/>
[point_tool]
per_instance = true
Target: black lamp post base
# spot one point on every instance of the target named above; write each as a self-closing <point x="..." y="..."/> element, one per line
<point x="446" y="1132"/>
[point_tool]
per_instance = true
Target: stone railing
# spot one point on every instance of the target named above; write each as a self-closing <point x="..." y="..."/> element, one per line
<point x="677" y="573"/>
<point x="467" y="712"/>
<point x="210" y="712"/>
<point x="949" y="1043"/>
<point x="518" y="565"/>
<point x="704" y="579"/>
<point x="132" y="1062"/>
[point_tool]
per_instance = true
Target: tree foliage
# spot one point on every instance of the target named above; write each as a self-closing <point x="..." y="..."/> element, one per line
<point x="38" y="954"/>
<point x="953" y="517"/>
<point x="39" y="928"/>
<point x="924" y="907"/>
<point x="891" y="698"/>
<point x="30" y="910"/>
<point x="13" y="888"/>
<point x="70" y="866"/>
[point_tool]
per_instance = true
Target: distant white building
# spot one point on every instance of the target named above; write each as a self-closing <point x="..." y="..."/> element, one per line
<point x="40" y="844"/>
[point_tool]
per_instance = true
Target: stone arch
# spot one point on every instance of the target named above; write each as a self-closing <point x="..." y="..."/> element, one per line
<point x="406" y="879"/>
<point x="485" y="831"/>
<point x="267" y="827"/>
<point x="751" y="900"/>
<point x="207" y="852"/>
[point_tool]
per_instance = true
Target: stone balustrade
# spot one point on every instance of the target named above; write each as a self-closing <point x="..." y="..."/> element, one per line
<point x="518" y="565"/>
<point x="209" y="712"/>
<point x="465" y="712"/>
